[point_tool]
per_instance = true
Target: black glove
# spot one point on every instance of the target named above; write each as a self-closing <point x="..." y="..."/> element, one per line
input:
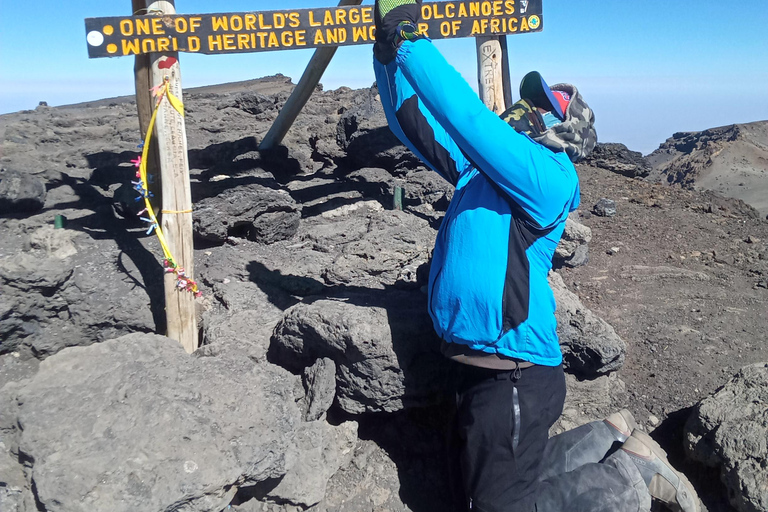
<point x="396" y="21"/>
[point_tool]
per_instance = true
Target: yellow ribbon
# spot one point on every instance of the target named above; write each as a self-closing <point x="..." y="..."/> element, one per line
<point x="185" y="282"/>
<point x="163" y="91"/>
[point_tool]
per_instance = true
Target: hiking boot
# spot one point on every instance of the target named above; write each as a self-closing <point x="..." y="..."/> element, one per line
<point x="664" y="483"/>
<point x="622" y="424"/>
<point x="396" y="21"/>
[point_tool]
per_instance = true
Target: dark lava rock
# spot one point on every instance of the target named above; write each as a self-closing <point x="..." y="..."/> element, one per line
<point x="142" y="430"/>
<point x="605" y="208"/>
<point x="253" y="211"/>
<point x="580" y="257"/>
<point x="727" y="431"/>
<point x="573" y="249"/>
<point x="20" y="192"/>
<point x="376" y="350"/>
<point x="617" y="158"/>
<point x="55" y="295"/>
<point x="362" y="132"/>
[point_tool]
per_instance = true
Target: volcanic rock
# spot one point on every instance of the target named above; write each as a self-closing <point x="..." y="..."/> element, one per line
<point x="590" y="346"/>
<point x="149" y="427"/>
<point x="56" y="294"/>
<point x="255" y="212"/>
<point x="363" y="134"/>
<point x="377" y="350"/>
<point x="681" y="288"/>
<point x="20" y="192"/>
<point x="320" y="386"/>
<point x="729" y="431"/>
<point x="605" y="208"/>
<point x="619" y="159"/>
<point x="573" y="249"/>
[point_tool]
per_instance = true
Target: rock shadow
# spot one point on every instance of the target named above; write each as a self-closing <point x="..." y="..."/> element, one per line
<point x="242" y="163"/>
<point x="670" y="434"/>
<point x="376" y="147"/>
<point x="240" y="156"/>
<point x="104" y="224"/>
<point x="419" y="441"/>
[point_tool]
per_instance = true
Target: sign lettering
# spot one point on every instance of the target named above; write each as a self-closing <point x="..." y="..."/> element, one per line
<point x="300" y="28"/>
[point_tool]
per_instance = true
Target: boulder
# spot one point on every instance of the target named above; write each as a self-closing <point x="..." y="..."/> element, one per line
<point x="362" y="132"/>
<point x="374" y="182"/>
<point x="255" y="212"/>
<point x="729" y="430"/>
<point x="15" y="495"/>
<point x="387" y="355"/>
<point x="317" y="452"/>
<point x="391" y="249"/>
<point x="573" y="249"/>
<point x="242" y="313"/>
<point x="605" y="208"/>
<point x="428" y="187"/>
<point x="21" y="192"/>
<point x="579" y="258"/>
<point x="590" y="345"/>
<point x="137" y="424"/>
<point x="320" y="387"/>
<point x="246" y="329"/>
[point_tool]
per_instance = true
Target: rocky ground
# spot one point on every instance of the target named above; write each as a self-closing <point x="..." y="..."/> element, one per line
<point x="319" y="353"/>
<point x="681" y="275"/>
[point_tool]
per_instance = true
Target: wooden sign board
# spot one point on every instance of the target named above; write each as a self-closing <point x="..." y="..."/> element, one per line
<point x="299" y="28"/>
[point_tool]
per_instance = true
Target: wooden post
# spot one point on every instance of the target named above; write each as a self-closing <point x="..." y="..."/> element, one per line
<point x="301" y="94"/>
<point x="493" y="72"/>
<point x="145" y="104"/>
<point x="141" y="71"/>
<point x="177" y="196"/>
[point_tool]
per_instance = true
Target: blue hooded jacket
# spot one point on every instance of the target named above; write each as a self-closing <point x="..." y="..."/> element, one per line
<point x="488" y="287"/>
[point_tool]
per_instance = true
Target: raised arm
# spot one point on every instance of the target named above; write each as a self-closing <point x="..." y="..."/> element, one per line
<point x="540" y="181"/>
<point x="415" y="126"/>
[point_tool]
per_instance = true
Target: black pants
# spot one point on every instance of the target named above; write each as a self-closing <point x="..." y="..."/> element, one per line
<point x="503" y="421"/>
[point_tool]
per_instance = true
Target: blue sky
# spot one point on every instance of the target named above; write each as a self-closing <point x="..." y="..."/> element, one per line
<point x="648" y="69"/>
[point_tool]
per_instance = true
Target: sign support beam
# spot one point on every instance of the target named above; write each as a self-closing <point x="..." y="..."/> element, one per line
<point x="145" y="105"/>
<point x="301" y="94"/>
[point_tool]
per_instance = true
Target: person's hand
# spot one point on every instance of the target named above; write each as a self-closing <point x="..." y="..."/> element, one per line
<point x="396" y="21"/>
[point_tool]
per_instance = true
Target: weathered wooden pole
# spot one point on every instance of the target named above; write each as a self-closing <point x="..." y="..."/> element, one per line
<point x="177" y="197"/>
<point x="141" y="71"/>
<point x="493" y="72"/>
<point x="145" y="104"/>
<point x="301" y="94"/>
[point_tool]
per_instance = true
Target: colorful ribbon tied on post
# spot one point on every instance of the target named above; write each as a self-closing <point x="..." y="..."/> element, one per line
<point x="183" y="282"/>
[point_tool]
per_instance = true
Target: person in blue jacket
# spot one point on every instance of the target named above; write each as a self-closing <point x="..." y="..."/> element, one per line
<point x="489" y="297"/>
